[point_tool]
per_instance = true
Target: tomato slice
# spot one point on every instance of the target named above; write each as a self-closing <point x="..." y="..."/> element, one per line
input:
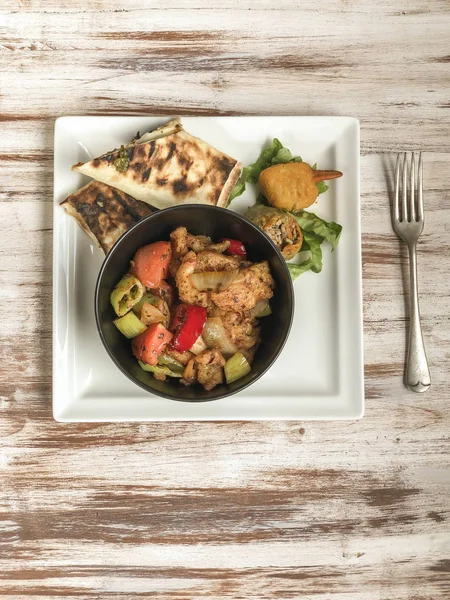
<point x="151" y="263"/>
<point x="148" y="345"/>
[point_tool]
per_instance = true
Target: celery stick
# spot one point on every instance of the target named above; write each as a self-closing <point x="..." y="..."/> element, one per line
<point x="160" y="370"/>
<point x="236" y="367"/>
<point x="129" y="325"/>
<point x="266" y="312"/>
<point x="171" y="363"/>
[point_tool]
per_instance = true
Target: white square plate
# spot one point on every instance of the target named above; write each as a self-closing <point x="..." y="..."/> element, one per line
<point x="319" y="374"/>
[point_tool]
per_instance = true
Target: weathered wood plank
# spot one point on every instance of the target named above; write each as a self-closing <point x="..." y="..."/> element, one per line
<point x="175" y="60"/>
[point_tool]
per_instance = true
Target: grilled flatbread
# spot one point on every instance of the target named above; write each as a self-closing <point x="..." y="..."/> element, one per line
<point x="167" y="167"/>
<point x="104" y="212"/>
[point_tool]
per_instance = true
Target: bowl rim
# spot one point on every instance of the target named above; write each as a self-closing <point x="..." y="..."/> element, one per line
<point x="172" y="209"/>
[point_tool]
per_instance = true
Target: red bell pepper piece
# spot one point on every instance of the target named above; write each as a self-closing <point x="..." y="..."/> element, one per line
<point x="187" y="325"/>
<point x="236" y="247"/>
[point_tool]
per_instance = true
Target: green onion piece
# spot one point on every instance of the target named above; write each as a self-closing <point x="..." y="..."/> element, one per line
<point x="236" y="367"/>
<point x="121" y="163"/>
<point x="261" y="309"/>
<point x="147" y="297"/>
<point x="171" y="363"/>
<point x="126" y="294"/>
<point x="266" y="312"/>
<point x="159" y="370"/>
<point x="129" y="325"/>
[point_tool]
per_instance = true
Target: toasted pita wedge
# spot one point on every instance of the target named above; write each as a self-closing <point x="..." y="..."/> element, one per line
<point x="167" y="167"/>
<point x="104" y="212"/>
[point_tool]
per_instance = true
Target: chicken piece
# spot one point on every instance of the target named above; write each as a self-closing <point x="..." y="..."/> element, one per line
<point x="197" y="243"/>
<point x="179" y="240"/>
<point x="190" y="372"/>
<point x="253" y="284"/>
<point x="174" y="266"/>
<point x="181" y="357"/>
<point x="161" y="305"/>
<point x="206" y="260"/>
<point x="210" y="365"/>
<point x="211" y="260"/>
<point x="182" y="241"/>
<point x="186" y="291"/>
<point x="242" y="329"/>
<point x="166" y="292"/>
<point x="219" y="247"/>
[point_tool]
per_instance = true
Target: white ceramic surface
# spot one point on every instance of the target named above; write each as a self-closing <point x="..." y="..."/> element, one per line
<point x="319" y="374"/>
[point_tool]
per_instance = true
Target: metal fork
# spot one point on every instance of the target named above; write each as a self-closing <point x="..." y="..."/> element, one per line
<point x="408" y="223"/>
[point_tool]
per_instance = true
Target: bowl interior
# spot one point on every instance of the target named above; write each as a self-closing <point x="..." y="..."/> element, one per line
<point x="199" y="220"/>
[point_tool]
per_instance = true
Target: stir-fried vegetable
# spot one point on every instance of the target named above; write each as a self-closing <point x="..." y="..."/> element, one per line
<point x="122" y="161"/>
<point x="235" y="247"/>
<point x="215" y="336"/>
<point x="148" y="345"/>
<point x="187" y="325"/>
<point x="150" y="314"/>
<point x="217" y="320"/>
<point x="261" y="309"/>
<point x="160" y="371"/>
<point x="199" y="346"/>
<point x="151" y="263"/>
<point x="146" y="298"/>
<point x="171" y="363"/>
<point x="129" y="325"/>
<point x="236" y="367"/>
<point x="126" y="294"/>
<point x="213" y="281"/>
<point x="166" y="292"/>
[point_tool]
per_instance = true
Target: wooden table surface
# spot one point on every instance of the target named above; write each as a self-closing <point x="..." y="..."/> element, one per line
<point x="351" y="510"/>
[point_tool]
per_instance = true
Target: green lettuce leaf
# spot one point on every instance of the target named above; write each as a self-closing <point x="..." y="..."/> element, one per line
<point x="275" y="154"/>
<point x="322" y="187"/>
<point x="326" y="230"/>
<point x="311" y="243"/>
<point x="282" y="156"/>
<point x="315" y="230"/>
<point x="265" y="160"/>
<point x="239" y="188"/>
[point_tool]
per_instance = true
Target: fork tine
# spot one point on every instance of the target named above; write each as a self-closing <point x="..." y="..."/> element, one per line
<point x="412" y="185"/>
<point x="397" y="190"/>
<point x="405" y="189"/>
<point x="420" y="189"/>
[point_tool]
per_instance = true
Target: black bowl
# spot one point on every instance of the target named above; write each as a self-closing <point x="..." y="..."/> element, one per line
<point x="216" y="223"/>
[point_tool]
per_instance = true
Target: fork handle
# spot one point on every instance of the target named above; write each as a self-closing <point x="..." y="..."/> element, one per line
<point x="417" y="375"/>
